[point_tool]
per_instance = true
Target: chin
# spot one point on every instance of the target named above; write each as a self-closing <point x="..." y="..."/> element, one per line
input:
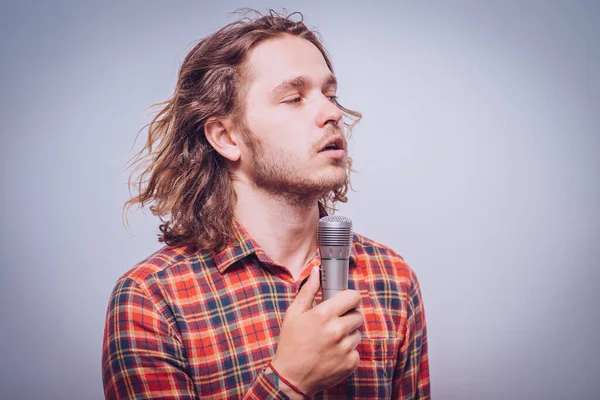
<point x="334" y="179"/>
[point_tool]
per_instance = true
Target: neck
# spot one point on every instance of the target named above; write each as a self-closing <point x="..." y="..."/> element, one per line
<point x="285" y="230"/>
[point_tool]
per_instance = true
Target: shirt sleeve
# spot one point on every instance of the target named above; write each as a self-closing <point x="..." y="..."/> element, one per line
<point x="143" y="356"/>
<point x="264" y="387"/>
<point x="411" y="377"/>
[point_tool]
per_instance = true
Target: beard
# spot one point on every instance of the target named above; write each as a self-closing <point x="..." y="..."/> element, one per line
<point x="276" y="173"/>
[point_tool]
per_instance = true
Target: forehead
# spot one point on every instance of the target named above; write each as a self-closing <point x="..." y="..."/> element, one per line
<point x="279" y="59"/>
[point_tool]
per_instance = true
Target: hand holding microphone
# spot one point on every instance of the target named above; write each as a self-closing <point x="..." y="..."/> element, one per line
<point x="317" y="346"/>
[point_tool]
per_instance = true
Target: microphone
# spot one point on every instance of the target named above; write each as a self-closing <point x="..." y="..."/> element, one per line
<point x="334" y="238"/>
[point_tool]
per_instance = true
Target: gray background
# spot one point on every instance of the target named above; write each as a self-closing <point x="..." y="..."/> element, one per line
<point x="477" y="159"/>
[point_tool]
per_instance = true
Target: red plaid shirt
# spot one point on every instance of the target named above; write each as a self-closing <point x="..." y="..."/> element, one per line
<point x="187" y="325"/>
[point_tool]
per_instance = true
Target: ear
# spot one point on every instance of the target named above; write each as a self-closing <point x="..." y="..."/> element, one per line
<point x="221" y="138"/>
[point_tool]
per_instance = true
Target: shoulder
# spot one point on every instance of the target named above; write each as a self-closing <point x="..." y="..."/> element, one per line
<point x="391" y="282"/>
<point x="166" y="264"/>
<point x="381" y="261"/>
<point x="163" y="281"/>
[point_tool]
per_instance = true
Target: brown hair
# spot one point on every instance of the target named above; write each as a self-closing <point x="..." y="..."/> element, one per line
<point x="182" y="177"/>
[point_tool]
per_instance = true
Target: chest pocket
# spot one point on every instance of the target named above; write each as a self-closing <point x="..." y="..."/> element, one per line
<point x="374" y="376"/>
<point x="378" y="350"/>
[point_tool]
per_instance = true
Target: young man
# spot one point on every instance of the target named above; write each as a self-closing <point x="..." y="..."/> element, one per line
<point x="240" y="164"/>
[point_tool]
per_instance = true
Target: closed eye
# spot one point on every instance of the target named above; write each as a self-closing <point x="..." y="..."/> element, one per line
<point x="295" y="100"/>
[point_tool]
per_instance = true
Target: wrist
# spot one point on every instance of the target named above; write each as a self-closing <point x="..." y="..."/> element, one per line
<point x="291" y="389"/>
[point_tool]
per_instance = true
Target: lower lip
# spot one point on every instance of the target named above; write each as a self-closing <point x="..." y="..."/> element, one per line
<point x="334" y="153"/>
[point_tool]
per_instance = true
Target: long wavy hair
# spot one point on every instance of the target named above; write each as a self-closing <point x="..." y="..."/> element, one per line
<point x="177" y="172"/>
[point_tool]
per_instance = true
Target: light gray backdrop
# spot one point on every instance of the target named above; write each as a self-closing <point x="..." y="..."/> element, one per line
<point x="478" y="160"/>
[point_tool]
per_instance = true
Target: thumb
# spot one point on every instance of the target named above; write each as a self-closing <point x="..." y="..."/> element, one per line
<point x="306" y="295"/>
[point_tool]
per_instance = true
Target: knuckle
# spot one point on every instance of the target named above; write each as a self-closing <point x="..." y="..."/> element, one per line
<point x="361" y="319"/>
<point x="359" y="336"/>
<point x="355" y="359"/>
<point x="345" y="346"/>
<point x="357" y="314"/>
<point x="336" y="331"/>
<point x="348" y="345"/>
<point x="321" y="313"/>
<point x="299" y="301"/>
<point x="353" y="342"/>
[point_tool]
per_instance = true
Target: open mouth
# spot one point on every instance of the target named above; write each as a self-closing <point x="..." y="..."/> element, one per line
<point x="331" y="147"/>
<point x="334" y="144"/>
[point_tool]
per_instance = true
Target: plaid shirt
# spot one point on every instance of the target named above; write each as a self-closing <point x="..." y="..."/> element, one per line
<point x="187" y="325"/>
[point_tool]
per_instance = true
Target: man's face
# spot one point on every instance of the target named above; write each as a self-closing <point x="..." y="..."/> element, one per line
<point x="291" y="117"/>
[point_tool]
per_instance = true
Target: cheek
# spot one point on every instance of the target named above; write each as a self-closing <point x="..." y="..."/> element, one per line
<point x="293" y="140"/>
<point x="285" y="135"/>
<point x="279" y="129"/>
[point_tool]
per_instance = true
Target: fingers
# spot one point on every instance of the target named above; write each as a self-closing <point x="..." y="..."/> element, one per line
<point x="342" y="327"/>
<point x="355" y="338"/>
<point x="342" y="302"/>
<point x="351" y="341"/>
<point x="352" y="320"/>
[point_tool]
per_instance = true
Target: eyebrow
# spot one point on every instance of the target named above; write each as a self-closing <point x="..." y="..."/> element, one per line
<point x="301" y="82"/>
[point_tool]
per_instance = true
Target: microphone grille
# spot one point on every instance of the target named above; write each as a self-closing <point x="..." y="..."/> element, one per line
<point x="336" y="218"/>
<point x="334" y="230"/>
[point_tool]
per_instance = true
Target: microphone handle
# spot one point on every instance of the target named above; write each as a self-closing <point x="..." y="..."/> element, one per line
<point x="334" y="276"/>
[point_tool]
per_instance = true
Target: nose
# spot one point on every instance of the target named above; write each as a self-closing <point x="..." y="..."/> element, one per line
<point x="329" y="112"/>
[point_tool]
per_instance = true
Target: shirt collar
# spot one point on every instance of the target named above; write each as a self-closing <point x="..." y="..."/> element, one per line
<point x="240" y="246"/>
<point x="243" y="245"/>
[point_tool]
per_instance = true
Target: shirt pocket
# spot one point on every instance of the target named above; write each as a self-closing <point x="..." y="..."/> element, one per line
<point x="373" y="378"/>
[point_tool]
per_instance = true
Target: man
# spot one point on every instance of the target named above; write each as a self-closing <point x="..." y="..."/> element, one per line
<point x="240" y="164"/>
